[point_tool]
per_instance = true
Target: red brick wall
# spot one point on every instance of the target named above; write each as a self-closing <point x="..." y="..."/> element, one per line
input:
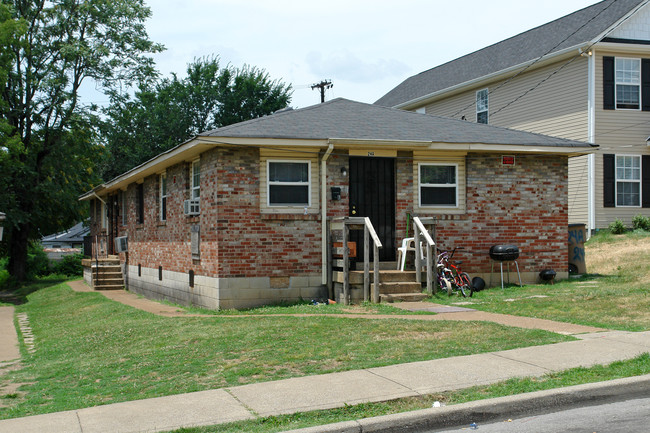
<point x="524" y="205"/>
<point x="252" y="244"/>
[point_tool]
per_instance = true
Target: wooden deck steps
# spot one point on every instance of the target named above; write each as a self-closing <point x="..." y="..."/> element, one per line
<point x="108" y="275"/>
<point x="394" y="285"/>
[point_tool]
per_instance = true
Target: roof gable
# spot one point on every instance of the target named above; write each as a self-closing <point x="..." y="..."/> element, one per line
<point x="637" y="27"/>
<point x="571" y="31"/>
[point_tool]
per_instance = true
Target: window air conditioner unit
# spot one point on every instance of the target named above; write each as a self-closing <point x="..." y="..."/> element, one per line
<point x="193" y="206"/>
<point x="121" y="244"/>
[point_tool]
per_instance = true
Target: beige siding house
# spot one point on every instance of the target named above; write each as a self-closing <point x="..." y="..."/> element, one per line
<point x="585" y="76"/>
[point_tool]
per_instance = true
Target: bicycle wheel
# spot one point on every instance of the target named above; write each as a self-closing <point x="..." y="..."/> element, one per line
<point x="465" y="284"/>
<point x="445" y="284"/>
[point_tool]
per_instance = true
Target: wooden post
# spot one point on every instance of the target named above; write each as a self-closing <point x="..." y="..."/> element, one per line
<point x="430" y="284"/>
<point x="418" y="253"/>
<point x="366" y="264"/>
<point x="375" y="294"/>
<point x="330" y="259"/>
<point x="346" y="266"/>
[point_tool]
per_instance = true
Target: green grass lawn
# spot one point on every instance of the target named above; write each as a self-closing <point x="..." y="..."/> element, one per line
<point x="92" y="351"/>
<point x="615" y="294"/>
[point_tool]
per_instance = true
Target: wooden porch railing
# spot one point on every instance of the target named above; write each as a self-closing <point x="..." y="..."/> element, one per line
<point x="369" y="233"/>
<point x="99" y="250"/>
<point x="421" y="233"/>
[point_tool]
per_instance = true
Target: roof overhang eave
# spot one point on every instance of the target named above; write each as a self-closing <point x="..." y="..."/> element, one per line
<point x="182" y="152"/>
<point x="517" y="148"/>
<point x="416" y="102"/>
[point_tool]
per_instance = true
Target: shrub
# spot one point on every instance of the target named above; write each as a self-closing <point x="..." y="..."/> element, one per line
<point x="70" y="265"/>
<point x="617" y="227"/>
<point x="641" y="222"/>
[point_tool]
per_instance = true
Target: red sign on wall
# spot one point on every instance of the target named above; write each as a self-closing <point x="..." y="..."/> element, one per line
<point x="507" y="160"/>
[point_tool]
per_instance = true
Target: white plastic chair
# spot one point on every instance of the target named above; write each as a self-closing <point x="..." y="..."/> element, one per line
<point x="408" y="244"/>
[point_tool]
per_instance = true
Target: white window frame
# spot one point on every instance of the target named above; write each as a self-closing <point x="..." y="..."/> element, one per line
<point x="480" y="109"/>
<point x="437" y="185"/>
<point x="269" y="183"/>
<point x="617" y="83"/>
<point x="195" y="189"/>
<point x="163" y="196"/>
<point x="625" y="180"/>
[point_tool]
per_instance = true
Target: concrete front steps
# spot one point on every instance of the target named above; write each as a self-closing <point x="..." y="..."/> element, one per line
<point x="394" y="286"/>
<point x="108" y="275"/>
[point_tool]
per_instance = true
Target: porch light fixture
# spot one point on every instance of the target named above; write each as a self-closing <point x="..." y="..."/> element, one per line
<point x="344" y="171"/>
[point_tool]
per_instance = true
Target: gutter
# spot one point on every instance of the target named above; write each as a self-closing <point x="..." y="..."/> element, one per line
<point x="323" y="182"/>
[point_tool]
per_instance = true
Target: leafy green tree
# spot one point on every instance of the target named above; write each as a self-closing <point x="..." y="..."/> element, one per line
<point x="162" y="115"/>
<point x="48" y="139"/>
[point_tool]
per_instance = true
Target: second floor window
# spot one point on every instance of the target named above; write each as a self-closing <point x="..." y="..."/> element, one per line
<point x="482" y="106"/>
<point x="628" y="83"/>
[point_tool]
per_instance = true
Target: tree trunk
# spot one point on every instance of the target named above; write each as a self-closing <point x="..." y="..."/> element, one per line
<point x="19" y="242"/>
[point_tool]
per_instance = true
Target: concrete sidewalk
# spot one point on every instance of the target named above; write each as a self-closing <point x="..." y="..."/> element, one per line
<point x="336" y="389"/>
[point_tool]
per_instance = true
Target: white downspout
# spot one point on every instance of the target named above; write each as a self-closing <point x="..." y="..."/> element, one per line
<point x="323" y="185"/>
<point x="591" y="158"/>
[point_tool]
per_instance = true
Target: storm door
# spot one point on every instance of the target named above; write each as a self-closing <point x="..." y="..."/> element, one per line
<point x="372" y="194"/>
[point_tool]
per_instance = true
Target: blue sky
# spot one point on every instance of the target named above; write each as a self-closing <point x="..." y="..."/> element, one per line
<point x="366" y="47"/>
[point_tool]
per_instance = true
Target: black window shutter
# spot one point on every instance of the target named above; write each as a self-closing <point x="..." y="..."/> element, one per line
<point x="609" y="181"/>
<point x="645" y="180"/>
<point x="609" y="84"/>
<point x="645" y="84"/>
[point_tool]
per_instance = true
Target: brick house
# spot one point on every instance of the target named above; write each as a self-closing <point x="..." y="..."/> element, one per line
<point x="237" y="217"/>
<point x="584" y="76"/>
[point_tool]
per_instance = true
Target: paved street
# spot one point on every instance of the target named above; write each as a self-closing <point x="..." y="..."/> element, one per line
<point x="619" y="417"/>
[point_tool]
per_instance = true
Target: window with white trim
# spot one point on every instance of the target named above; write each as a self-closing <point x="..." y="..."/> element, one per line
<point x="482" y="106"/>
<point x="163" y="197"/>
<point x="288" y="183"/>
<point x="628" y="180"/>
<point x="438" y="184"/>
<point x="628" y="83"/>
<point x="195" y="179"/>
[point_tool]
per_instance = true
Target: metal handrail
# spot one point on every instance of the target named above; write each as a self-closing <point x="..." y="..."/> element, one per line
<point x="421" y="231"/>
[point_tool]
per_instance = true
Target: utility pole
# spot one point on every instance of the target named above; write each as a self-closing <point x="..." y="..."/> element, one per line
<point x="323" y="85"/>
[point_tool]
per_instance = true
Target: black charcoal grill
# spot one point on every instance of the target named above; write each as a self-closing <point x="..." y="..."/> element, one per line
<point x="504" y="253"/>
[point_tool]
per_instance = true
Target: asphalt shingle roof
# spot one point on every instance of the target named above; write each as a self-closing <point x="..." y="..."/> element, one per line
<point x="74" y="234"/>
<point x="344" y="119"/>
<point x="576" y="29"/>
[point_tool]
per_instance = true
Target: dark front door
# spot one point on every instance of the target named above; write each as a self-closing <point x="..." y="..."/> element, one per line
<point x="372" y="194"/>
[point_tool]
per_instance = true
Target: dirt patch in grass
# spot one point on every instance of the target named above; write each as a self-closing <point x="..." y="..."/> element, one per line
<point x="602" y="259"/>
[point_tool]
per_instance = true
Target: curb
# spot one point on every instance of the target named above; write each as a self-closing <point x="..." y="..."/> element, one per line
<point x="482" y="411"/>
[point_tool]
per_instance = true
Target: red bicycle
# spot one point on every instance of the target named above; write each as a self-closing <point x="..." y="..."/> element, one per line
<point x="450" y="276"/>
